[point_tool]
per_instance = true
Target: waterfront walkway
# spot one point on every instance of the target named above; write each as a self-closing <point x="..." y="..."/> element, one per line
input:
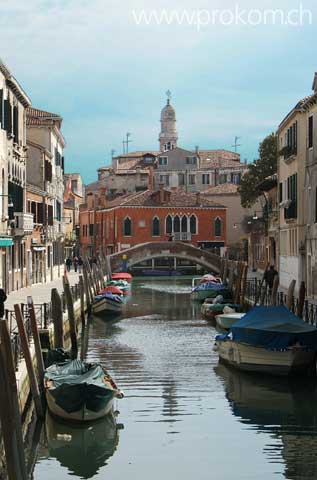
<point x="41" y="292"/>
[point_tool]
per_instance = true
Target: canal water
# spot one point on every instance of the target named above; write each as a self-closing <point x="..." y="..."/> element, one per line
<point x="183" y="416"/>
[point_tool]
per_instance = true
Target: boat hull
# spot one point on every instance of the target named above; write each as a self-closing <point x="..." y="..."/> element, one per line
<point x="81" y="415"/>
<point x="225" y="321"/>
<point x="258" y="359"/>
<point x="105" y="306"/>
<point x="201" y="295"/>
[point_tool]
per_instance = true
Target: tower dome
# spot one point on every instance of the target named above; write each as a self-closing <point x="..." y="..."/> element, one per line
<point x="168" y="136"/>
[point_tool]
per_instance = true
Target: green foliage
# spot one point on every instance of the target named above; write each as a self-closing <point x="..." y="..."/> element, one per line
<point x="265" y="166"/>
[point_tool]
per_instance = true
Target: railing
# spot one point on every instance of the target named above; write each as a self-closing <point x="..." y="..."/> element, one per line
<point x="253" y="292"/>
<point x="182" y="236"/>
<point x="43" y="313"/>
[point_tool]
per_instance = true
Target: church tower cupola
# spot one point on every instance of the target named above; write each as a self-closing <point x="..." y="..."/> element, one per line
<point x="168" y="136"/>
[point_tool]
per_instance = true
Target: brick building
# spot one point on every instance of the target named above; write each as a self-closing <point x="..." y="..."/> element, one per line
<point x="115" y="225"/>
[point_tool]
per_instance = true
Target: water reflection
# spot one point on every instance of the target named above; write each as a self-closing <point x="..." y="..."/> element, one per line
<point x="284" y="408"/>
<point x="82" y="449"/>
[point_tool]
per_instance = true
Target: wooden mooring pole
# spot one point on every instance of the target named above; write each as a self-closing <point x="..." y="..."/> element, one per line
<point x="301" y="300"/>
<point x="10" y="416"/>
<point x="57" y="317"/>
<point x="71" y="318"/>
<point x="29" y="363"/>
<point x="82" y="299"/>
<point x="37" y="342"/>
<point x="87" y="290"/>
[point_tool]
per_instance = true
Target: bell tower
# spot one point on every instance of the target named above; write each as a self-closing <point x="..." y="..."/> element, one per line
<point x="168" y="136"/>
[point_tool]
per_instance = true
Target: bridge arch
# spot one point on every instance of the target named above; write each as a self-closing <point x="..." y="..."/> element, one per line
<point x="153" y="250"/>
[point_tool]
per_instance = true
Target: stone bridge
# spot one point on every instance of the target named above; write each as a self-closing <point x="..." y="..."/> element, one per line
<point x="147" y="251"/>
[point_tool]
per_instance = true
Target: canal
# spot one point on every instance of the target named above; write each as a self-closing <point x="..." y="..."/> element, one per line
<point x="183" y="415"/>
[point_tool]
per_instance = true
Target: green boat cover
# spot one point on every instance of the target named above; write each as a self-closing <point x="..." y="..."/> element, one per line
<point x="78" y="384"/>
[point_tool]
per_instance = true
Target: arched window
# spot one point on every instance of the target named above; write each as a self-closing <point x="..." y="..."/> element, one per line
<point x="184" y="224"/>
<point x="168" y="224"/>
<point x="127" y="227"/>
<point x="156" y="227"/>
<point x="177" y="224"/>
<point x="193" y="225"/>
<point x="218" y="227"/>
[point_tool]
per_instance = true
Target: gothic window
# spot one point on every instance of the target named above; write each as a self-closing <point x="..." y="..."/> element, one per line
<point x="177" y="224"/>
<point x="218" y="227"/>
<point x="127" y="227"/>
<point x="193" y="225"/>
<point x="168" y="224"/>
<point x="184" y="224"/>
<point x="156" y="227"/>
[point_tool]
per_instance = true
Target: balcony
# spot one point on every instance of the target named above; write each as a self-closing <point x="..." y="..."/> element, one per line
<point x="182" y="237"/>
<point x="289" y="153"/>
<point x="23" y="224"/>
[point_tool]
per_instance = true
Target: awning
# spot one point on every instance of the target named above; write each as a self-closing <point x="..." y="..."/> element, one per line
<point x="6" y="242"/>
<point x="39" y="249"/>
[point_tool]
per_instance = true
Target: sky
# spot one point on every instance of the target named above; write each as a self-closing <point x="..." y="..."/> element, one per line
<point x="105" y="71"/>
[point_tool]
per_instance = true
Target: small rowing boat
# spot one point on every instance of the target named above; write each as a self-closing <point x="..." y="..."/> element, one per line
<point x="226" y="320"/>
<point x="79" y="391"/>
<point x="107" y="303"/>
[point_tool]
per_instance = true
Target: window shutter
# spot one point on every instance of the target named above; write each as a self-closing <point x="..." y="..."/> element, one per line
<point x="50" y="214"/>
<point x="40" y="213"/>
<point x="1" y="108"/>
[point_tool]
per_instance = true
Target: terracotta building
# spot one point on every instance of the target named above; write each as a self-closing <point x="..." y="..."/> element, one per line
<point x="150" y="216"/>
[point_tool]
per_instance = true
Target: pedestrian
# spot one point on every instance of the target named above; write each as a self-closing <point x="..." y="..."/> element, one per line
<point x="75" y="262"/>
<point x="3" y="298"/>
<point x="269" y="277"/>
<point x="68" y="264"/>
<point x="80" y="264"/>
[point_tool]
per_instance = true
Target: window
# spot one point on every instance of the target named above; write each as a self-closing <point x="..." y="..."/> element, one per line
<point x="218" y="227"/>
<point x="222" y="178"/>
<point x="206" y="179"/>
<point x="191" y="179"/>
<point x="177" y="224"/>
<point x="191" y="160"/>
<point x="91" y="229"/>
<point x="310" y="132"/>
<point x="165" y="179"/>
<point x="156" y="227"/>
<point x="291" y="210"/>
<point x="193" y="225"/>
<point x="168" y="224"/>
<point x="184" y="224"/>
<point x="127" y="227"/>
<point x="163" y="160"/>
<point x="58" y="211"/>
<point x="181" y="179"/>
<point x="291" y="141"/>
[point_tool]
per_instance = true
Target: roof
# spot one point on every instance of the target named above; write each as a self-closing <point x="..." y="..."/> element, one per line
<point x="139" y="153"/>
<point x="299" y="107"/>
<point x="172" y="199"/>
<point x="222" y="189"/>
<point x="14" y="85"/>
<point x="219" y="159"/>
<point x="37" y="117"/>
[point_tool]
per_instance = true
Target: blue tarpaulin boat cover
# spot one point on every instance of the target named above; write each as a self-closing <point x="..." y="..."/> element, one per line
<point x="274" y="328"/>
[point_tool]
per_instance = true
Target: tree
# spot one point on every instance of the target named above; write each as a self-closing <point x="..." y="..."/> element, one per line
<point x="264" y="167"/>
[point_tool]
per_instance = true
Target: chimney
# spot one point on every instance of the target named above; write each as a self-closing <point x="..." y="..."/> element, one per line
<point x="102" y="197"/>
<point x="198" y="199"/>
<point x="151" y="178"/>
<point x="315" y="83"/>
<point x="161" y="192"/>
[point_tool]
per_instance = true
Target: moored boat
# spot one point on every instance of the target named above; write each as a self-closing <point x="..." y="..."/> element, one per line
<point x="226" y="320"/>
<point x="79" y="391"/>
<point x="270" y="340"/>
<point x="211" y="310"/>
<point x="210" y="290"/>
<point x="123" y="285"/>
<point x="107" y="303"/>
<point x="122" y="276"/>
